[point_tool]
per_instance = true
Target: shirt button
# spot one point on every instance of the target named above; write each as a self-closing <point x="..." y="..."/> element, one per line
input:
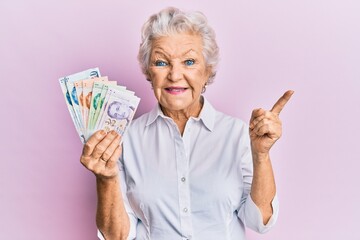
<point x="185" y="209"/>
<point x="183" y="179"/>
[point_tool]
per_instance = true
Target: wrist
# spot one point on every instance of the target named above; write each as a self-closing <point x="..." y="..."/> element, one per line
<point x="260" y="156"/>
<point x="105" y="180"/>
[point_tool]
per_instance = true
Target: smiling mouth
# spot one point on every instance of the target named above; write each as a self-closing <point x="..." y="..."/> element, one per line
<point x="175" y="90"/>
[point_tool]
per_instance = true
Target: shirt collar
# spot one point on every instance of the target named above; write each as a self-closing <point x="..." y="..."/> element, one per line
<point x="154" y="114"/>
<point x="207" y="115"/>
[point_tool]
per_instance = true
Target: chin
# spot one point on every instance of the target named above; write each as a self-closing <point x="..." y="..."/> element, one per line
<point x="175" y="106"/>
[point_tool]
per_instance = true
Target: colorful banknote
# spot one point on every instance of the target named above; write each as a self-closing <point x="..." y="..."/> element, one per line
<point x="72" y="99"/>
<point x="69" y="105"/>
<point x="87" y="88"/>
<point x="118" y="110"/>
<point x="96" y="103"/>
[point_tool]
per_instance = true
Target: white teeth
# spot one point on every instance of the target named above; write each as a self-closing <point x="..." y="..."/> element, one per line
<point x="176" y="89"/>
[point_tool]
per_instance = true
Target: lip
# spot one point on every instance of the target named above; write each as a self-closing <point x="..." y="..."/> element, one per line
<point x="175" y="90"/>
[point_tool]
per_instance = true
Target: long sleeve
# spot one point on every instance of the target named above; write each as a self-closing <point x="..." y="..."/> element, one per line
<point x="252" y="217"/>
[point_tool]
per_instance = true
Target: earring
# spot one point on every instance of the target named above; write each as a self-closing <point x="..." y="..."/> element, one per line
<point x="204" y="88"/>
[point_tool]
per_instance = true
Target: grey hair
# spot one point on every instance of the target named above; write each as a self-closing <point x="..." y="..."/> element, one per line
<point x="171" y="21"/>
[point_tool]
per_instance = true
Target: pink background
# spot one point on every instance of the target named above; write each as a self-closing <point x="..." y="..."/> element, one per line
<point x="267" y="47"/>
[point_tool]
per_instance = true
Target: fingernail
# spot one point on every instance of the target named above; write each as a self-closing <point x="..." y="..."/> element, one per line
<point x="102" y="132"/>
<point x="113" y="132"/>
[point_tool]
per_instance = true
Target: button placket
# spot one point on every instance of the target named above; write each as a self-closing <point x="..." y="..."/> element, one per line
<point x="183" y="187"/>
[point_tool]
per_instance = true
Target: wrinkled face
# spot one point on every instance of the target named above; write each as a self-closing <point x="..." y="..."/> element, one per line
<point x="178" y="71"/>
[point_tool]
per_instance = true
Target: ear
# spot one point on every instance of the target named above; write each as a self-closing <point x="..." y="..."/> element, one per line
<point x="208" y="72"/>
<point x="147" y="75"/>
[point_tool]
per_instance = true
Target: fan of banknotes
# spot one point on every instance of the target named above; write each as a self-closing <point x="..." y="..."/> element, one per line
<point x="96" y="103"/>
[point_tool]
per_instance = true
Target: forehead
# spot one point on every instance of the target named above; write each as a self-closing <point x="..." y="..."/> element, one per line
<point x="178" y="44"/>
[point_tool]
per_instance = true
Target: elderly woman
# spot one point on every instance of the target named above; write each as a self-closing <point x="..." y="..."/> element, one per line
<point x="184" y="170"/>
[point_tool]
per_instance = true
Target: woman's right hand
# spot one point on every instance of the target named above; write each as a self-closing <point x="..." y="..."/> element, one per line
<point x="101" y="153"/>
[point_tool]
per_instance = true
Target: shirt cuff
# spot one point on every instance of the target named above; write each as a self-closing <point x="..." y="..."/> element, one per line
<point x="253" y="216"/>
<point x="132" y="233"/>
<point x="100" y="235"/>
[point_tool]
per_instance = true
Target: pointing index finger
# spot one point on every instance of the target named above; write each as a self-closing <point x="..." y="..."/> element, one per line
<point x="280" y="104"/>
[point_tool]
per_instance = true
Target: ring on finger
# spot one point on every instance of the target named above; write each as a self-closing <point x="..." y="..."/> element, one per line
<point x="102" y="159"/>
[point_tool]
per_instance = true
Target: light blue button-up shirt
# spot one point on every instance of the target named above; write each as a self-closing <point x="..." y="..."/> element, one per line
<point x="194" y="186"/>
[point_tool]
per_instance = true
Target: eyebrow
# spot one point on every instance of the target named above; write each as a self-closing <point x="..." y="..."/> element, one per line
<point x="190" y="50"/>
<point x="161" y="51"/>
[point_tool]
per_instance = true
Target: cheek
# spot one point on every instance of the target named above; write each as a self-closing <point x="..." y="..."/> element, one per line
<point x="197" y="85"/>
<point x="156" y="77"/>
<point x="200" y="78"/>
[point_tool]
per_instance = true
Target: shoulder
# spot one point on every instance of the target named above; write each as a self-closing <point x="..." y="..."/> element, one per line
<point x="234" y="133"/>
<point x="216" y="120"/>
<point x="229" y="123"/>
<point x="139" y="123"/>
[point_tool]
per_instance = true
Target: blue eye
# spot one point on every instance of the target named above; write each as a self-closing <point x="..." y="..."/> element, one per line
<point x="189" y="62"/>
<point x="160" y="63"/>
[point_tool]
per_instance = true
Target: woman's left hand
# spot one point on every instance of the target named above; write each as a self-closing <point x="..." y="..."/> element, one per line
<point x="265" y="126"/>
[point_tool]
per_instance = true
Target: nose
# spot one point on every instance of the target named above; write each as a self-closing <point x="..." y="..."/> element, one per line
<point x="175" y="73"/>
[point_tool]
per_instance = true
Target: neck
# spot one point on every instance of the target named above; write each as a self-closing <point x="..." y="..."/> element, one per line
<point x="180" y="117"/>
